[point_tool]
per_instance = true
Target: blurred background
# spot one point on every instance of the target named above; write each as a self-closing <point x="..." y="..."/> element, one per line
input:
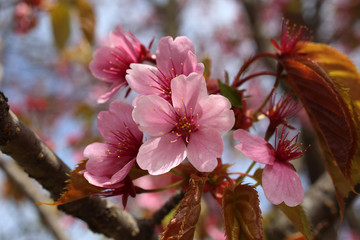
<point x="45" y="49"/>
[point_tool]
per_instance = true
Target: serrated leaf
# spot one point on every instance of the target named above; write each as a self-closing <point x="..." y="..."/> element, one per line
<point x="333" y="118"/>
<point x="343" y="71"/>
<point x="298" y="217"/>
<point x="182" y="226"/>
<point x="87" y="19"/>
<point x="242" y="214"/>
<point x="328" y="111"/>
<point x="231" y="93"/>
<point x="60" y="20"/>
<point x="337" y="65"/>
<point x="77" y="188"/>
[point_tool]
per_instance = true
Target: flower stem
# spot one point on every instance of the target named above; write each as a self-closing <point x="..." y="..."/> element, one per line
<point x="176" y="184"/>
<point x="242" y="81"/>
<point x="239" y="180"/>
<point x="277" y="81"/>
<point x="248" y="63"/>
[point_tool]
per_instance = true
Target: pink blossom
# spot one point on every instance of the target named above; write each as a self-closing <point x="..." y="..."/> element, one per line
<point x="110" y="162"/>
<point x="278" y="113"/>
<point x="173" y="58"/>
<point x="280" y="181"/>
<point x="111" y="62"/>
<point x="189" y="127"/>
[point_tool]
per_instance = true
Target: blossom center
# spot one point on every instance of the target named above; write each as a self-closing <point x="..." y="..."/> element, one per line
<point x="286" y="150"/>
<point x="125" y="145"/>
<point x="186" y="125"/>
<point x="162" y="79"/>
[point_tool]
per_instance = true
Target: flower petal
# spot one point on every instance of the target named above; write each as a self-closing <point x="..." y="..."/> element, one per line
<point x="215" y="113"/>
<point x="100" y="168"/>
<point x="172" y="54"/>
<point x="126" y="42"/>
<point x="154" y="115"/>
<point x="142" y="79"/>
<point x="102" y="66"/>
<point x="204" y="147"/>
<point x="186" y="91"/>
<point x="159" y="155"/>
<point x="118" y="119"/>
<point x="111" y="92"/>
<point x="254" y="147"/>
<point x="281" y="183"/>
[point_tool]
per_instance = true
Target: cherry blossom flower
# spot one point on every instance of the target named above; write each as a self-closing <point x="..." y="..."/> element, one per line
<point x="110" y="62"/>
<point x="278" y="113"/>
<point x="280" y="181"/>
<point x="292" y="38"/>
<point x="109" y="163"/>
<point x="173" y="58"/>
<point x="189" y="127"/>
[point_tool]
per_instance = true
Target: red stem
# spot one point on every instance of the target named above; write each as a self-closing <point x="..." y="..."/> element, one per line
<point x="242" y="81"/>
<point x="248" y="63"/>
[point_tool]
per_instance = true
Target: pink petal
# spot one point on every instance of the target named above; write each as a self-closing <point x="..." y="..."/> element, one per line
<point x="115" y="87"/>
<point x="101" y="65"/>
<point x="186" y="91"/>
<point x="154" y="115"/>
<point x="159" y="155"/>
<point x="204" y="147"/>
<point x="191" y="64"/>
<point x="102" y="170"/>
<point x="281" y="183"/>
<point x="171" y="54"/>
<point x="126" y="42"/>
<point x="254" y="147"/>
<point x="118" y="119"/>
<point x="142" y="79"/>
<point x="215" y="113"/>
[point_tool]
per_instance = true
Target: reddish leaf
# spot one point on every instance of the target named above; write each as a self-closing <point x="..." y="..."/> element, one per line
<point x="342" y="70"/>
<point x="333" y="118"/>
<point x="298" y="217"/>
<point x="327" y="109"/>
<point x="182" y="226"/>
<point x="242" y="214"/>
<point x="337" y="65"/>
<point x="78" y="187"/>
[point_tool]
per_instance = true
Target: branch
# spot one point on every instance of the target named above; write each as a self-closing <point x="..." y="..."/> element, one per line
<point x="42" y="164"/>
<point x="320" y="206"/>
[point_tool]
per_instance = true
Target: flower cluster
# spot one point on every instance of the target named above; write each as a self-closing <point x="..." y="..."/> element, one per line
<point x="182" y="122"/>
<point x="173" y="108"/>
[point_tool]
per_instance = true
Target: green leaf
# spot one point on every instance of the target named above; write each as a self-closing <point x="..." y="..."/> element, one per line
<point x="242" y="214"/>
<point x="232" y="94"/>
<point x="298" y="217"/>
<point x="87" y="19"/>
<point x="60" y="20"/>
<point x="182" y="226"/>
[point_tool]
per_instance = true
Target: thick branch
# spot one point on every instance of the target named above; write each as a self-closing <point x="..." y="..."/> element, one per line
<point x="42" y="164"/>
